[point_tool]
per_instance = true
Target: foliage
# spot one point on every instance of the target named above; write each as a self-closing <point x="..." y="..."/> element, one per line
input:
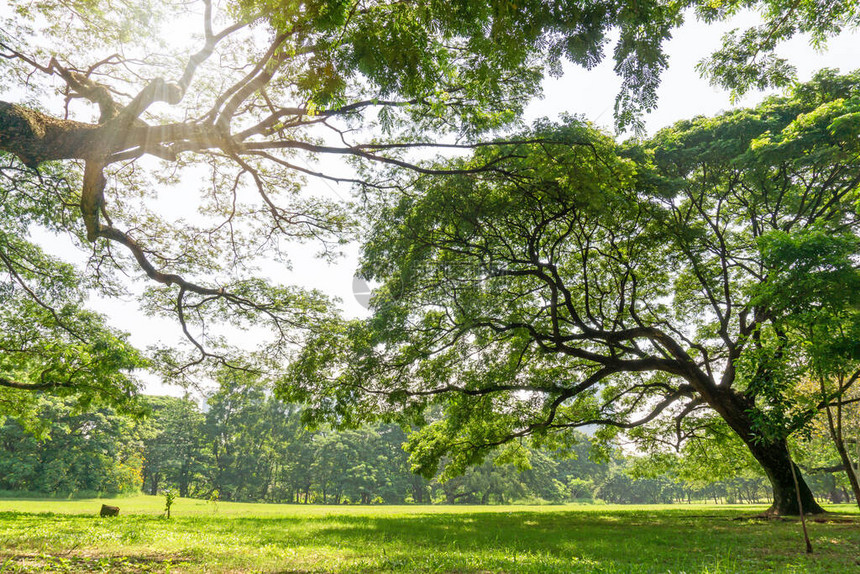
<point x="360" y="466"/>
<point x="49" y="340"/>
<point x="820" y="459"/>
<point x="174" y="452"/>
<point x="252" y="104"/>
<point x="169" y="499"/>
<point x="93" y="452"/>
<point x="256" y="450"/>
<point x="253" y="447"/>
<point x="747" y="60"/>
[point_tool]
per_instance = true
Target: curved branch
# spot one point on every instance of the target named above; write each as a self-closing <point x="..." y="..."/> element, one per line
<point x="655" y="412"/>
<point x="118" y="236"/>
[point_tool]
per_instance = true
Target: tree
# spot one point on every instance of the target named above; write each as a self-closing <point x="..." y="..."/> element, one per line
<point x="586" y="283"/>
<point x="815" y="290"/>
<point x="819" y="459"/>
<point x="175" y="451"/>
<point x="269" y="84"/>
<point x="94" y="452"/>
<point x="245" y="434"/>
<point x="156" y="451"/>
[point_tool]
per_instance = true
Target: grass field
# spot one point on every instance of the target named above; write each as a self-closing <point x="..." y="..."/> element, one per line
<point x="68" y="536"/>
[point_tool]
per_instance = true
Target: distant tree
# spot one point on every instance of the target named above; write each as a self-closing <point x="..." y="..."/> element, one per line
<point x="580" y="488"/>
<point x="620" y="488"/>
<point x="363" y="465"/>
<point x="170" y="450"/>
<point x="616" y="489"/>
<point x="296" y="469"/>
<point x="175" y="451"/>
<point x="238" y="433"/>
<point x="73" y="452"/>
<point x="154" y="455"/>
<point x="485" y="483"/>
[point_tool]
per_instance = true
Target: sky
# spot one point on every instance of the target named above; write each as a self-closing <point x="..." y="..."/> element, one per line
<point x="683" y="94"/>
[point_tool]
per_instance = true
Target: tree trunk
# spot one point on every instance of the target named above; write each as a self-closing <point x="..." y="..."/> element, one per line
<point x="850" y="471"/>
<point x="773" y="456"/>
<point x="776" y="462"/>
<point x="836" y="435"/>
<point x="183" y="483"/>
<point x="264" y="492"/>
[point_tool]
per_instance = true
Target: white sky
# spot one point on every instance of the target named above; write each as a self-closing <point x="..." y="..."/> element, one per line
<point x="591" y="93"/>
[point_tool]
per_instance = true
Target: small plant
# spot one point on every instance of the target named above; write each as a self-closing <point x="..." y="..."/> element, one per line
<point x="213" y="499"/>
<point x="169" y="498"/>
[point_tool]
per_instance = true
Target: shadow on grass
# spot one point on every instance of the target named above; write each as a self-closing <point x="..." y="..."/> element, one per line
<point x="31" y="563"/>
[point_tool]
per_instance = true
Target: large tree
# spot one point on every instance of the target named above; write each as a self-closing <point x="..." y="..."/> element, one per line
<point x="265" y="86"/>
<point x="587" y="283"/>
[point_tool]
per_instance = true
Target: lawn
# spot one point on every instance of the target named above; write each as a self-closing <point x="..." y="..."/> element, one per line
<point x="68" y="536"/>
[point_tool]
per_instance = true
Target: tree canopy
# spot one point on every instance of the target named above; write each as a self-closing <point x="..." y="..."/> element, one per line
<point x="131" y="121"/>
<point x="584" y="282"/>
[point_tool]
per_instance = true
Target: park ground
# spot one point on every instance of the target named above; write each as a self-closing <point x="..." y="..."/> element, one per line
<point x="68" y="536"/>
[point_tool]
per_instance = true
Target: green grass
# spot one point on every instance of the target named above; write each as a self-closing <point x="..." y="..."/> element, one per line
<point x="67" y="536"/>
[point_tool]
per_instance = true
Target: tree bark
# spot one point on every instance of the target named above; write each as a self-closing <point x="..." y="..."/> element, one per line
<point x="35" y="137"/>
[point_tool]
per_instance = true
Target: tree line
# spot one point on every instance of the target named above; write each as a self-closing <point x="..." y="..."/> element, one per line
<point x="245" y="445"/>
